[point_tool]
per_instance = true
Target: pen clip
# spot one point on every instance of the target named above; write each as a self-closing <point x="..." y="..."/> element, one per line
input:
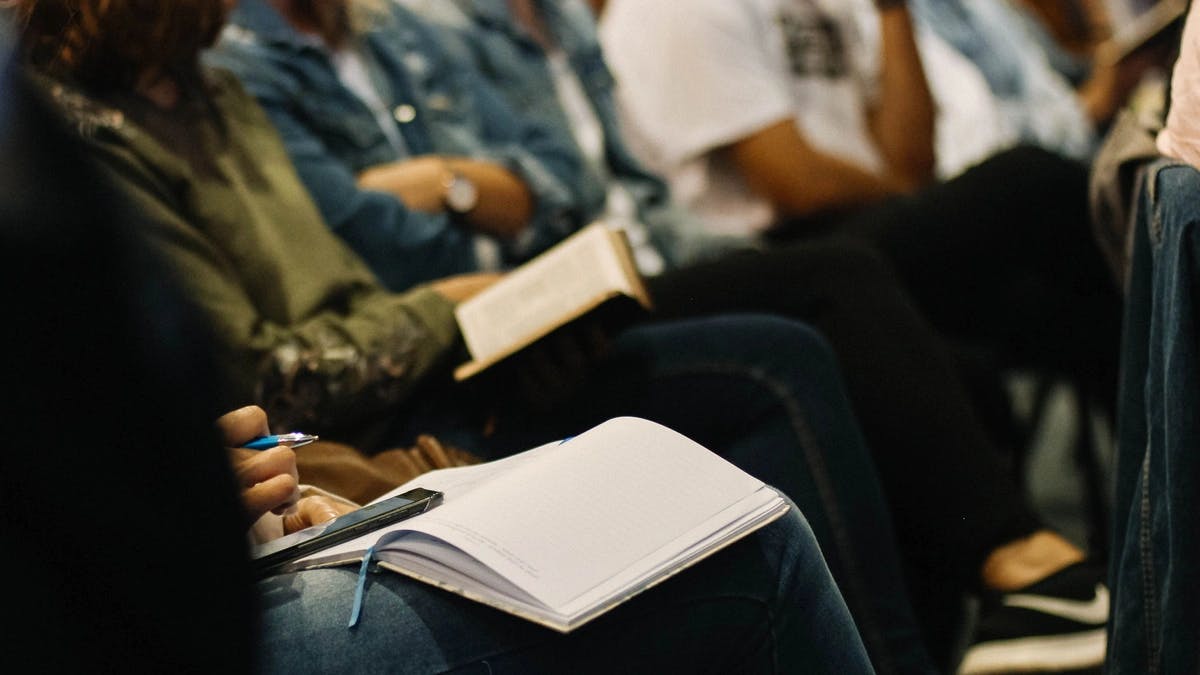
<point x="292" y="440"/>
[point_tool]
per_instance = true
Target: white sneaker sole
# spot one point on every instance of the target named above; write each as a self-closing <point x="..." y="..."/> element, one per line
<point x="1036" y="654"/>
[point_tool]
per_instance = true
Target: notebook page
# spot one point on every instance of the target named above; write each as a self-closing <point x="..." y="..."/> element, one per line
<point x="453" y="483"/>
<point x="598" y="504"/>
<point x="732" y="523"/>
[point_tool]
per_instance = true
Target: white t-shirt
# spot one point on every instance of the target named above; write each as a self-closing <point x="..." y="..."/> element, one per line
<point x="620" y="208"/>
<point x="697" y="75"/>
<point x="970" y="125"/>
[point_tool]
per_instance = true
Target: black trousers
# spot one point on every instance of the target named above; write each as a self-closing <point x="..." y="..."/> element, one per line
<point x="1000" y="259"/>
<point x="1003" y="256"/>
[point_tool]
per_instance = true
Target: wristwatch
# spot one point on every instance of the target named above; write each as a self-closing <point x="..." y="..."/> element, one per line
<point x="459" y="194"/>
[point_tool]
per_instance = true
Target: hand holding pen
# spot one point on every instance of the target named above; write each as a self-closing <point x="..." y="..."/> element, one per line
<point x="268" y="478"/>
<point x="265" y="467"/>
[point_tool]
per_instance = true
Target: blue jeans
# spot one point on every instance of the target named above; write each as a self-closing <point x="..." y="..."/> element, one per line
<point x="1155" y="622"/>
<point x="766" y="604"/>
<point x="764" y="393"/>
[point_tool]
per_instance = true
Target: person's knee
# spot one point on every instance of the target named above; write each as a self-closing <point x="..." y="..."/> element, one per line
<point x="794" y="351"/>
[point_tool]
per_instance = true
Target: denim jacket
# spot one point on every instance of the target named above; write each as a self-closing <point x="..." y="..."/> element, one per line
<point x="440" y="108"/>
<point x="501" y="50"/>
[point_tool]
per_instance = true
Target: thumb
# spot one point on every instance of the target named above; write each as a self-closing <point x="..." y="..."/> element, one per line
<point x="308" y="512"/>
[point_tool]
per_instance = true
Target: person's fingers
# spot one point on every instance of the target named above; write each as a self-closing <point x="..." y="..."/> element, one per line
<point x="274" y="468"/>
<point x="243" y="425"/>
<point x="313" y="510"/>
<point x="271" y="494"/>
<point x="256" y="467"/>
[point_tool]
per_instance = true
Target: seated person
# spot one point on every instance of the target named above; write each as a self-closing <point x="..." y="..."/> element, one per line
<point x="125" y="529"/>
<point x="785" y="124"/>
<point x="419" y="184"/>
<point x="304" y="328"/>
<point x="544" y="57"/>
<point x="797" y="621"/>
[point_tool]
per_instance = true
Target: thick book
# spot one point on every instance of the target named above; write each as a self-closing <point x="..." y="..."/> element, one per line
<point x="563" y="533"/>
<point x="588" y="271"/>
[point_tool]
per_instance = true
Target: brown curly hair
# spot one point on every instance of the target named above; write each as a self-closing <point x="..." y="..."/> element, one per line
<point x="112" y="44"/>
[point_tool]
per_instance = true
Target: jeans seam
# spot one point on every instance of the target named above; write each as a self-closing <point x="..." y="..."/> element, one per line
<point x="814" y="458"/>
<point x="1149" y="625"/>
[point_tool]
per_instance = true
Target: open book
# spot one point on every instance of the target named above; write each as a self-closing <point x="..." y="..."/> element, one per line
<point x="589" y="269"/>
<point x="562" y="533"/>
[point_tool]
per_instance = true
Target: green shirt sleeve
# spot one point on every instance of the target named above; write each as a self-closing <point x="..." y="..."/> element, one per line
<point x="304" y="328"/>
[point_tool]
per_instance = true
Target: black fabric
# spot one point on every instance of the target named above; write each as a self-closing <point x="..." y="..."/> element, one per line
<point x="948" y="486"/>
<point x="925" y="299"/>
<point x="1003" y="257"/>
<point x="123" y="545"/>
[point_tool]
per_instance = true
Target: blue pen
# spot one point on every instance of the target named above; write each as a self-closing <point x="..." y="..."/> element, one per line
<point x="292" y="440"/>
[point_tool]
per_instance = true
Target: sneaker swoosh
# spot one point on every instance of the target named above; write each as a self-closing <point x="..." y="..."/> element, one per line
<point x="1094" y="611"/>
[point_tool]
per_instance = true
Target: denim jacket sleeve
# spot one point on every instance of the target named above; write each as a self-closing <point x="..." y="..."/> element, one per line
<point x="462" y="116"/>
<point x="467" y="115"/>
<point x="402" y="247"/>
<point x="551" y="170"/>
<point x="302" y="327"/>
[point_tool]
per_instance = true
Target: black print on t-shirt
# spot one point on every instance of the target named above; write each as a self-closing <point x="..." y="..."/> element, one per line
<point x="814" y="44"/>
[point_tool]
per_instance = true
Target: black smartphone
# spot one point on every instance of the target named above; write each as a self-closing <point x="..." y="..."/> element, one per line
<point x="273" y="556"/>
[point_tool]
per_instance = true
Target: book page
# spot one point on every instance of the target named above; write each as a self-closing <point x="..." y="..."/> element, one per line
<point x="590" y="509"/>
<point x="537" y="296"/>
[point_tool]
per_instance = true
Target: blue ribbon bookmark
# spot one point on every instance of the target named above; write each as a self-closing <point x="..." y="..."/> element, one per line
<point x="360" y="590"/>
<point x="361" y="587"/>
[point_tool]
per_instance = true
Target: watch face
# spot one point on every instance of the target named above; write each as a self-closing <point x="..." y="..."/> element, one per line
<point x="461" y="195"/>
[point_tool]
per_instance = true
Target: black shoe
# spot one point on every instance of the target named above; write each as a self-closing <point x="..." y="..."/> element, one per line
<point x="1054" y="625"/>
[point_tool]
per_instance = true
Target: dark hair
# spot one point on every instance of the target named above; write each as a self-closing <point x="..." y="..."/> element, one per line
<point x="109" y="45"/>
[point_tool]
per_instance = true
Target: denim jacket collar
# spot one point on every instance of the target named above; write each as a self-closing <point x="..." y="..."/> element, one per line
<point x="575" y="34"/>
<point x="267" y="25"/>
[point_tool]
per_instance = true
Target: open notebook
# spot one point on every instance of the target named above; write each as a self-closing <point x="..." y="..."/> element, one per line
<point x="562" y="533"/>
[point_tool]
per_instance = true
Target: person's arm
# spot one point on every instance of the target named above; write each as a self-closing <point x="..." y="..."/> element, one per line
<point x="505" y="204"/>
<point x="269" y="480"/>
<point x="714" y="87"/>
<point x="902" y="121"/>
<point x="492" y="134"/>
<point x="403" y="246"/>
<point x="800" y="180"/>
<point x="364" y="353"/>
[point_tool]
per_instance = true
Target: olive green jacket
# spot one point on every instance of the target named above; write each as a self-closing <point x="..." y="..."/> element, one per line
<point x="305" y="328"/>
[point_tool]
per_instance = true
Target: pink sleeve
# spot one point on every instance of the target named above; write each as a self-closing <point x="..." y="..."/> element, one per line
<point x="1181" y="137"/>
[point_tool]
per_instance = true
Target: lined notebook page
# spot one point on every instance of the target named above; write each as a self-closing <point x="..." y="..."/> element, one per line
<point x="535" y="524"/>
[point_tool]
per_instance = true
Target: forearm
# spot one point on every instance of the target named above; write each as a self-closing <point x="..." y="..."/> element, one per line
<point x="505" y="203"/>
<point x="902" y="122"/>
<point x="799" y="180"/>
